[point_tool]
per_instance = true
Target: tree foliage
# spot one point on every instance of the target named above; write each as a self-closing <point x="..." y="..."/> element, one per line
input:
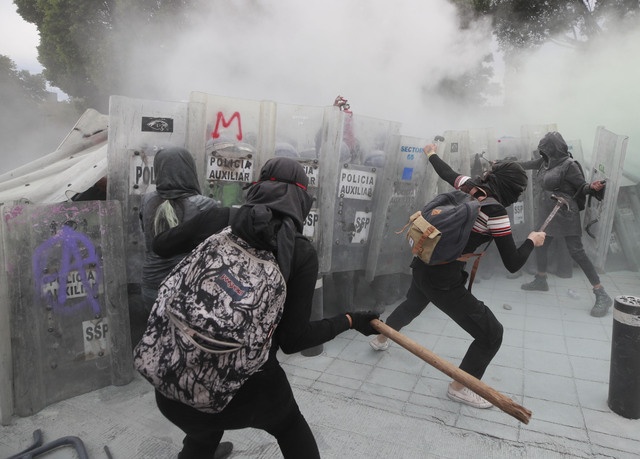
<point x="21" y="84"/>
<point x="521" y="24"/>
<point x="83" y="43"/>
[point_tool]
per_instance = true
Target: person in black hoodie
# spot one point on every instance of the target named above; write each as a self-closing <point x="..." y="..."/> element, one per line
<point x="557" y="173"/>
<point x="444" y="284"/>
<point x="271" y="219"/>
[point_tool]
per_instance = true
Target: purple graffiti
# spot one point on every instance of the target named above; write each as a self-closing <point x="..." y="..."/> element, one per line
<point x="79" y="275"/>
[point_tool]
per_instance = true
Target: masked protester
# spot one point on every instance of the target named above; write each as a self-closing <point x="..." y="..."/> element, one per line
<point x="444" y="284"/>
<point x="272" y="219"/>
<point x="557" y="173"/>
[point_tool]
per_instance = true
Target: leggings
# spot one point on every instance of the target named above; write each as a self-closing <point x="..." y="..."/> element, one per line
<point x="444" y="286"/>
<point x="576" y="250"/>
<point x="264" y="402"/>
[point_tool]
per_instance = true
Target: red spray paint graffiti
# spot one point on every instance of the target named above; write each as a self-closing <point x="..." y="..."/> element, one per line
<point x="220" y="119"/>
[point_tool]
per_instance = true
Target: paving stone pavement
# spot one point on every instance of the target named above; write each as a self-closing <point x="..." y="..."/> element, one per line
<point x="555" y="361"/>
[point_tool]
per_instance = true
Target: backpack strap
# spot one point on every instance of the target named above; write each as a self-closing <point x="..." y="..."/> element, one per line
<point x="468" y="256"/>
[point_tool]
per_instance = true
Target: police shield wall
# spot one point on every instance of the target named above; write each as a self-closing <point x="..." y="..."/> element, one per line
<point x="65" y="277"/>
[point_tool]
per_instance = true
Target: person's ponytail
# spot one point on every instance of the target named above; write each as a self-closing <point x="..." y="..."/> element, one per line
<point x="165" y="217"/>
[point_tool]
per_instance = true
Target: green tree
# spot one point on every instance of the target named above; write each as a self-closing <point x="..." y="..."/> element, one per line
<point x="521" y="24"/>
<point x="21" y="84"/>
<point x="83" y="43"/>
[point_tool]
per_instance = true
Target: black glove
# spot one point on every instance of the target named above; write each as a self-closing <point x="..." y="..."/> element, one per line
<point x="599" y="195"/>
<point x="360" y="321"/>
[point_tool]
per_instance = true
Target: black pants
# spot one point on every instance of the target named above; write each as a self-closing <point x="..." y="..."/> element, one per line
<point x="264" y="402"/>
<point x="576" y="250"/>
<point x="444" y="286"/>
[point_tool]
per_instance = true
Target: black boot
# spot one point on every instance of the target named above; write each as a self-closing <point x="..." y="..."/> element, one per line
<point x="603" y="303"/>
<point x="538" y="283"/>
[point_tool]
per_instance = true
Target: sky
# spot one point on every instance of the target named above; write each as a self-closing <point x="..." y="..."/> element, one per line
<point x="306" y="53"/>
<point x="18" y="38"/>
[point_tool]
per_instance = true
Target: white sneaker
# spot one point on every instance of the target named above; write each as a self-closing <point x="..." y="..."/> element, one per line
<point x="468" y="397"/>
<point x="378" y="346"/>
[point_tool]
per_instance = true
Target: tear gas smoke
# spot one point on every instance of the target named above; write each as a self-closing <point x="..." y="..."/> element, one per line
<point x="386" y="61"/>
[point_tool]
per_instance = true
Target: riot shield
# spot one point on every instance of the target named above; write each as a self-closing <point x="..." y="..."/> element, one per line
<point x="137" y="130"/>
<point x="234" y="135"/>
<point x="346" y="201"/>
<point x="454" y="150"/>
<point x="66" y="285"/>
<point x="297" y="135"/>
<point x="608" y="156"/>
<point x="406" y="183"/>
<point x="625" y="227"/>
<point x="520" y="212"/>
<point x="347" y="198"/>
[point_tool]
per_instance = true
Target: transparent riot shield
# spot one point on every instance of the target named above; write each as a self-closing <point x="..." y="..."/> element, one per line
<point x="455" y="151"/>
<point x="297" y="135"/>
<point x="625" y="228"/>
<point x="347" y="204"/>
<point x="65" y="273"/>
<point x="406" y="183"/>
<point x="234" y="135"/>
<point x="483" y="149"/>
<point x="137" y="130"/>
<point x="531" y="135"/>
<point x="608" y="154"/>
<point x="298" y="132"/>
<point x="520" y="212"/>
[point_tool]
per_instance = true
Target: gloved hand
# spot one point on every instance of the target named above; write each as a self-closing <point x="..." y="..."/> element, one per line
<point x="360" y="321"/>
<point x="596" y="189"/>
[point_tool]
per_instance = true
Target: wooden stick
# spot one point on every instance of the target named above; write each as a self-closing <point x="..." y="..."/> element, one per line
<point x="501" y="401"/>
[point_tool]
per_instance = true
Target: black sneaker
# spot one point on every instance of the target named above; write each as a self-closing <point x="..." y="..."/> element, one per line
<point x="602" y="304"/>
<point x="538" y="283"/>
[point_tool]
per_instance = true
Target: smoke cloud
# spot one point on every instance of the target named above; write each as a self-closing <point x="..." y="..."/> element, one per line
<point x="386" y="59"/>
<point x="383" y="57"/>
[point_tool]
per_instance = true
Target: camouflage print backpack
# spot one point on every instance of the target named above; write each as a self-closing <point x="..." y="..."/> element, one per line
<point x="211" y="326"/>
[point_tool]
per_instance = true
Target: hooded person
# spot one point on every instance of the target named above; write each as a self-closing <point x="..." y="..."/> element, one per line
<point x="272" y="219"/>
<point x="444" y="284"/>
<point x="558" y="173"/>
<point x="177" y="198"/>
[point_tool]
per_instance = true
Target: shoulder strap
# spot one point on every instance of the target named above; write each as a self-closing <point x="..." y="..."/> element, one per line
<point x="467" y="256"/>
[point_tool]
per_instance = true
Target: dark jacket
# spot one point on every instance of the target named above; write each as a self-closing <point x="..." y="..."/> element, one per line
<point x="177" y="182"/>
<point x="557" y="173"/>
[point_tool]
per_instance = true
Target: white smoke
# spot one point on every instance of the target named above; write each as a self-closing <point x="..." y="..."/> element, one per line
<point x="385" y="58"/>
<point x="379" y="55"/>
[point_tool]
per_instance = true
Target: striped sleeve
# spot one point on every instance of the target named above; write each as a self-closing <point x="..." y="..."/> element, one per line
<point x="493" y="221"/>
<point x="460" y="180"/>
<point x="499" y="226"/>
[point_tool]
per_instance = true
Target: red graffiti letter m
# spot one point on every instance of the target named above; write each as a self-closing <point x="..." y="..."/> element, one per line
<point x="225" y="124"/>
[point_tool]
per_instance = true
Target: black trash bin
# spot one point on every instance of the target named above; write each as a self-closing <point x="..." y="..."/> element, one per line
<point x="624" y="377"/>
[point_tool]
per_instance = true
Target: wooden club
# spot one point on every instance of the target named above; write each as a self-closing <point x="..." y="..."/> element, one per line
<point x="503" y="402"/>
